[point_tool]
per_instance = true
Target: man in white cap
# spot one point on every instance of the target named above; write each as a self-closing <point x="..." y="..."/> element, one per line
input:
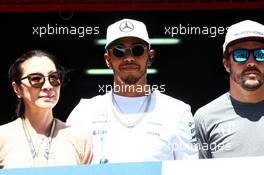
<point x="233" y="124"/>
<point x="132" y="123"/>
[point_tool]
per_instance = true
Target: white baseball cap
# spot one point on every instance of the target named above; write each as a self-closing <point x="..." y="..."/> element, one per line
<point x="246" y="30"/>
<point x="126" y="28"/>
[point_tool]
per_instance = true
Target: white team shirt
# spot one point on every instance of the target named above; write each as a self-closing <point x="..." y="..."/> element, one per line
<point x="164" y="132"/>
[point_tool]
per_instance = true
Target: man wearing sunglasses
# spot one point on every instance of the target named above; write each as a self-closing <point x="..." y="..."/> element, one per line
<point x="132" y="123"/>
<point x="233" y="124"/>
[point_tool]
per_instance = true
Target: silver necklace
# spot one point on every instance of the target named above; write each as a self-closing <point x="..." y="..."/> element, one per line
<point x="103" y="159"/>
<point x="138" y="120"/>
<point x="30" y="141"/>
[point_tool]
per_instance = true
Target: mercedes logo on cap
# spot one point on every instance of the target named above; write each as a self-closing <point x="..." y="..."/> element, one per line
<point x="126" y="26"/>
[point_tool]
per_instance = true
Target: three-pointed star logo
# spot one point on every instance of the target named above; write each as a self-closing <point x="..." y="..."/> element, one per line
<point x="126" y="26"/>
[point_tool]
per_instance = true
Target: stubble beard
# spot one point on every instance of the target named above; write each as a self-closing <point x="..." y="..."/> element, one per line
<point x="247" y="83"/>
<point x="132" y="79"/>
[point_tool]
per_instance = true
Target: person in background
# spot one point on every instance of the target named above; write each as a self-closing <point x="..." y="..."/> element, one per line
<point x="134" y="122"/>
<point x="36" y="138"/>
<point x="232" y="125"/>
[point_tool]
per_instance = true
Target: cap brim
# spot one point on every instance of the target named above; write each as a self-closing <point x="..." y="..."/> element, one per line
<point x="250" y="38"/>
<point x="109" y="44"/>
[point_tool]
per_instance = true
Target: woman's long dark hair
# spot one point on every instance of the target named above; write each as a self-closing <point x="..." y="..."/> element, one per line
<point x="15" y="73"/>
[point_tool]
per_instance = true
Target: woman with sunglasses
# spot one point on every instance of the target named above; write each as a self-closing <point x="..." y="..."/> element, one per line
<point x="36" y="138"/>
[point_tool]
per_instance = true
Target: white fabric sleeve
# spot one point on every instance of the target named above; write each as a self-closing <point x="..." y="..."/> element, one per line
<point x="80" y="113"/>
<point x="200" y="127"/>
<point x="186" y="147"/>
<point x="1" y="153"/>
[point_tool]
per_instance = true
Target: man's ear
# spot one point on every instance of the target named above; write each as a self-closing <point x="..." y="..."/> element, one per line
<point x="108" y="60"/>
<point x="17" y="90"/>
<point x="151" y="55"/>
<point x="226" y="64"/>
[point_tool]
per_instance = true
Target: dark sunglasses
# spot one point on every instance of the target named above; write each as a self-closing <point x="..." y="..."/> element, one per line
<point x="136" y="50"/>
<point x="242" y="55"/>
<point x="37" y="80"/>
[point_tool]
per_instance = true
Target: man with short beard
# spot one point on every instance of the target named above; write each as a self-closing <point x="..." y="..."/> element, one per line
<point x="233" y="124"/>
<point x="132" y="123"/>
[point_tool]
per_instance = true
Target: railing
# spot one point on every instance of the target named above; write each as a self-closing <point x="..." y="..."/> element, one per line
<point x="223" y="166"/>
<point x="124" y="5"/>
